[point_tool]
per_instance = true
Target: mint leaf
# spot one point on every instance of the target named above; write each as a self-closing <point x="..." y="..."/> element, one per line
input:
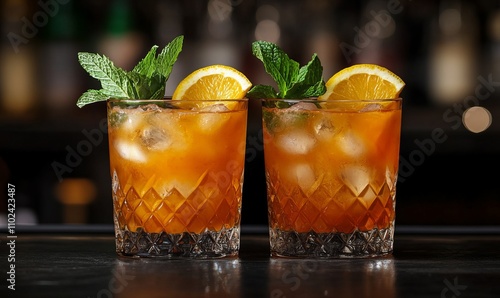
<point x="114" y="80"/>
<point x="271" y="121"/>
<point x="293" y="82"/>
<point x="145" y="87"/>
<point x="150" y="65"/>
<point x="309" y="82"/>
<point x="146" y="80"/>
<point x="147" y="66"/>
<point x="277" y="64"/>
<point x="262" y="91"/>
<point x="168" y="56"/>
<point x="274" y="121"/>
<point x="91" y="96"/>
<point x="156" y="87"/>
<point x="117" y="118"/>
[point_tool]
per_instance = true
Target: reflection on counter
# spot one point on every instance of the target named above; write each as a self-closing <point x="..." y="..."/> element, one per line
<point x="141" y="278"/>
<point x="424" y="265"/>
<point x="375" y="278"/>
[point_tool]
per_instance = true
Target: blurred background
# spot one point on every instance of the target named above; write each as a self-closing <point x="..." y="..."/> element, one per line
<point x="447" y="52"/>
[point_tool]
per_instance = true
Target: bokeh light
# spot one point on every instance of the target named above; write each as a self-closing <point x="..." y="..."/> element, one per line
<point x="267" y="30"/>
<point x="477" y="119"/>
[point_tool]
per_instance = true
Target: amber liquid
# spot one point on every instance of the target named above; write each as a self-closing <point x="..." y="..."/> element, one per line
<point x="176" y="171"/>
<point x="331" y="170"/>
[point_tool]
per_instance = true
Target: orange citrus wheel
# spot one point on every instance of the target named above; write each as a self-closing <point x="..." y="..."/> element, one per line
<point x="214" y="82"/>
<point x="363" y="81"/>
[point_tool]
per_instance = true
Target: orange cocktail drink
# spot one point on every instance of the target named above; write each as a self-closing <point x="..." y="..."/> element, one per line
<point x="177" y="175"/>
<point x="331" y="169"/>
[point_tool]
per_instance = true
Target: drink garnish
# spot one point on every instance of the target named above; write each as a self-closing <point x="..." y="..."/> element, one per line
<point x="145" y="81"/>
<point x="213" y="82"/>
<point x="363" y="81"/>
<point x="293" y="81"/>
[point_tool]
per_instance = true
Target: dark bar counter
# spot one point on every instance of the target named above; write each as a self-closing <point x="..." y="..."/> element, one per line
<point x="427" y="262"/>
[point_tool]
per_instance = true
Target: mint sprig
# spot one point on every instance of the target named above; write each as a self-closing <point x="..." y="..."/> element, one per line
<point x="146" y="81"/>
<point x="293" y="81"/>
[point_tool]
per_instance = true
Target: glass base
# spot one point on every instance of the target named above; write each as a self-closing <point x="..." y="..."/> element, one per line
<point x="373" y="243"/>
<point x="207" y="245"/>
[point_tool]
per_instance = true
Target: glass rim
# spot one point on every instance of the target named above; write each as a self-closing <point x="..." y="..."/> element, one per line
<point x="315" y="99"/>
<point x="169" y="98"/>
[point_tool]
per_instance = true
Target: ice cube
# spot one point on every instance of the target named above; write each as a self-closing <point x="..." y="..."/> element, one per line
<point x="371" y="107"/>
<point x="296" y="114"/>
<point x="215" y="108"/>
<point x="155" y="138"/>
<point x="132" y="120"/>
<point x="151" y="107"/>
<point x="130" y="151"/>
<point x="305" y="176"/>
<point x="324" y="128"/>
<point x="351" y="145"/>
<point x="212" y="117"/>
<point x="356" y="178"/>
<point x="303" y="106"/>
<point x="296" y="142"/>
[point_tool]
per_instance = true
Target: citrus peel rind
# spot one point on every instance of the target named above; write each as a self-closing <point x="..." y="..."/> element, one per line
<point x="363" y="81"/>
<point x="214" y="82"/>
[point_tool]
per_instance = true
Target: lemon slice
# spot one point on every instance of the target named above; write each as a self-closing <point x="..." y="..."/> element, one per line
<point x="363" y="81"/>
<point x="214" y="82"/>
